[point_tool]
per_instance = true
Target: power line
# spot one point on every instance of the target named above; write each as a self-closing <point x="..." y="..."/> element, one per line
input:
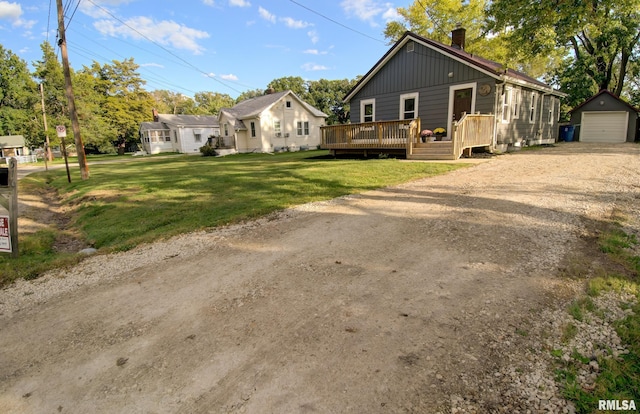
<point x="73" y="14"/>
<point x="336" y="22"/>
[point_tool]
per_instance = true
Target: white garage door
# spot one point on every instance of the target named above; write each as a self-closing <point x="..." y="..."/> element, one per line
<point x="604" y="126"/>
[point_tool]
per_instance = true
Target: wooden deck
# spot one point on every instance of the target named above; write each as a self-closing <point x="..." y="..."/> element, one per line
<point x="403" y="137"/>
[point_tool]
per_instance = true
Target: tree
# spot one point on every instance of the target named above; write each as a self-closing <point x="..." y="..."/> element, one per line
<point x="294" y="83"/>
<point x="18" y="98"/>
<point x="328" y="95"/>
<point x="49" y="73"/>
<point x="125" y="104"/>
<point x="602" y="35"/>
<point x="435" y="19"/>
<point x="211" y="102"/>
<point x="169" y="102"/>
<point x="252" y="93"/>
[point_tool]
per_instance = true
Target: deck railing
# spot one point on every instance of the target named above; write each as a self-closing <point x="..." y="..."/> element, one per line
<point x="370" y="135"/>
<point x="473" y="130"/>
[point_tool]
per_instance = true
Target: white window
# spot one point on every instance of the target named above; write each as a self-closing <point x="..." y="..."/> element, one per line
<point x="551" y="108"/>
<point x="515" y="103"/>
<point x="198" y="137"/>
<point x="409" y="105"/>
<point x="288" y="104"/>
<point x="167" y="137"/>
<point x="410" y="46"/>
<point x="299" y="129"/>
<point x="506" y="105"/>
<point x="368" y="110"/>
<point x="532" y="108"/>
<point x="306" y="128"/>
<point x="276" y="128"/>
<point x="226" y="130"/>
<point x="253" y="129"/>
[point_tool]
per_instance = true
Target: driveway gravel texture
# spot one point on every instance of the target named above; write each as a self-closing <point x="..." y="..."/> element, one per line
<point x="441" y="295"/>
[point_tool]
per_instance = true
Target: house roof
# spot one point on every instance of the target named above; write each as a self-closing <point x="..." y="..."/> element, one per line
<point x="189" y="120"/>
<point x="253" y="107"/>
<point x="488" y="67"/>
<point x="153" y="126"/>
<point x="12" y="141"/>
<point x="605" y="92"/>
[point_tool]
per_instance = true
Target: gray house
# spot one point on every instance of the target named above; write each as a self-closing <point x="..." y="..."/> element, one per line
<point x="605" y="118"/>
<point x="419" y="78"/>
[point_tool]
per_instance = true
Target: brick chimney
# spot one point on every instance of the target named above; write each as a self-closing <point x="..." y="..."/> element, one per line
<point x="458" y="38"/>
<point x="154" y="111"/>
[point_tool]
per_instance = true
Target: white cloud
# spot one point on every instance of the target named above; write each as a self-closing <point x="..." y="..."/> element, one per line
<point x="313" y="35"/>
<point x="391" y="14"/>
<point x="314" y="52"/>
<point x="312" y="67"/>
<point x="368" y="10"/>
<point x="294" y="24"/>
<point x="10" y="11"/>
<point x="239" y="3"/>
<point x="264" y="13"/>
<point x="230" y="77"/>
<point x="153" y="65"/>
<point x="163" y="32"/>
<point x="209" y="2"/>
<point x="13" y="12"/>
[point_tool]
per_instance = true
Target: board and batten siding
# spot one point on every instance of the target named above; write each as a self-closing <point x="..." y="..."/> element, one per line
<point x="425" y="71"/>
<point x="604" y="102"/>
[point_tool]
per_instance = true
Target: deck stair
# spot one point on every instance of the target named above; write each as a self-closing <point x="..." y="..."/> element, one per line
<point x="436" y="150"/>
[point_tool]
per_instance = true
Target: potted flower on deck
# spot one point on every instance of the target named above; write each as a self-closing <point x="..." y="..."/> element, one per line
<point x="439" y="133"/>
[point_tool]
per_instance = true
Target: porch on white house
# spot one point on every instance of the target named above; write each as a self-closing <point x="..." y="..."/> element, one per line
<point x="403" y="137"/>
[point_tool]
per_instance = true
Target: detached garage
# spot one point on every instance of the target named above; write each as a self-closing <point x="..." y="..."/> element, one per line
<point x="605" y="118"/>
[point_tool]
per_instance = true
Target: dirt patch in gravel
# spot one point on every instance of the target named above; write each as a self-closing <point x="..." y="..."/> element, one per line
<point x="440" y="295"/>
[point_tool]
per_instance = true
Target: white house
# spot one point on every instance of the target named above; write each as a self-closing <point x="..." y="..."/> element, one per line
<point x="273" y="122"/>
<point x="178" y="133"/>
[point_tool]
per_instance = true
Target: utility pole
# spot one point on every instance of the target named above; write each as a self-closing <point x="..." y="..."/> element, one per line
<point x="47" y="147"/>
<point x="62" y="42"/>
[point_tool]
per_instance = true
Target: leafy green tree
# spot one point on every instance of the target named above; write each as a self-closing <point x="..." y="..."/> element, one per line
<point x="294" y="83"/>
<point x="252" y="93"/>
<point x="328" y="95"/>
<point x="602" y="35"/>
<point x="97" y="132"/>
<point x="18" y="98"/>
<point x="210" y="103"/>
<point x="126" y="104"/>
<point x="168" y="102"/>
<point x="48" y="72"/>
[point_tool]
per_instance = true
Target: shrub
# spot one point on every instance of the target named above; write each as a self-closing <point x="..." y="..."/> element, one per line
<point x="208" y="151"/>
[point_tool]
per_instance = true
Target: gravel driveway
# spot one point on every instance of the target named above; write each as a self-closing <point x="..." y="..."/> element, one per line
<point x="439" y="295"/>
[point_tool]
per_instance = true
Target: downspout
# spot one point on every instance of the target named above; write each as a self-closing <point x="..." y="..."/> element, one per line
<point x="495" y="106"/>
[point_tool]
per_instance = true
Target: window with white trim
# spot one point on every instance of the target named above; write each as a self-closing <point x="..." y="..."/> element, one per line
<point x="197" y="137"/>
<point x="276" y="127"/>
<point x="226" y="130"/>
<point x="532" y="108"/>
<point x="306" y="127"/>
<point x="551" y="108"/>
<point x="368" y="110"/>
<point x="299" y="128"/>
<point x="288" y="104"/>
<point x="409" y="105"/>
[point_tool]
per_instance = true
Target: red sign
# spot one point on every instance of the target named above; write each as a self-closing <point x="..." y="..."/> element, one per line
<point x="5" y="235"/>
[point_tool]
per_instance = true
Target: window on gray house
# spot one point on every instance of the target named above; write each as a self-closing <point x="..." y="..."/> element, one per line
<point x="368" y="113"/>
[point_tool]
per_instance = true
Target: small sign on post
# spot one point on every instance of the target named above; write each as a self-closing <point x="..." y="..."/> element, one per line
<point x="5" y="235"/>
<point x="61" y="130"/>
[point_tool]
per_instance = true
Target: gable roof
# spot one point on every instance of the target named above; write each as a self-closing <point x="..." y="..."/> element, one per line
<point x="253" y="107"/>
<point x="152" y="126"/>
<point x="12" y="141"/>
<point x="486" y="66"/>
<point x="605" y="92"/>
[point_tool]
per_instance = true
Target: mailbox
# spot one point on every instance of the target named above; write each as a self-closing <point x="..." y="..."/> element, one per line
<point x="4" y="177"/>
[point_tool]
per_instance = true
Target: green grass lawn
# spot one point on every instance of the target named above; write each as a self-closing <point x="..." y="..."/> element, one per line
<point x="125" y="204"/>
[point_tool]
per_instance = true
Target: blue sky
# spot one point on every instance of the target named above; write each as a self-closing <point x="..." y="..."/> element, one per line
<point x="226" y="46"/>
